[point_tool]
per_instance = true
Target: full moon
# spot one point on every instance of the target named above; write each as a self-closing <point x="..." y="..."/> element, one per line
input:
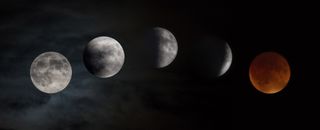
<point x="103" y="57"/>
<point x="162" y="47"/>
<point x="269" y="72"/>
<point x="50" y="72"/>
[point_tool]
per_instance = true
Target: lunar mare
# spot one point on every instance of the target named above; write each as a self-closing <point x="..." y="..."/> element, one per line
<point x="50" y="72"/>
<point x="269" y="72"/>
<point x="103" y="57"/>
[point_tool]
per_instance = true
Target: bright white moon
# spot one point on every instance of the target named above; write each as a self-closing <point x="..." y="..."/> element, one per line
<point x="50" y="72"/>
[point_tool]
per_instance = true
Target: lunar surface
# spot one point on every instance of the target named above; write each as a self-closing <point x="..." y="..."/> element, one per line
<point x="103" y="57"/>
<point x="50" y="72"/>
<point x="162" y="47"/>
<point x="269" y="72"/>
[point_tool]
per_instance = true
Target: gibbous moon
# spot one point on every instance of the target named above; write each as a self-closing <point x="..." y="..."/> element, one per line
<point x="269" y="72"/>
<point x="50" y="72"/>
<point x="162" y="47"/>
<point x="103" y="57"/>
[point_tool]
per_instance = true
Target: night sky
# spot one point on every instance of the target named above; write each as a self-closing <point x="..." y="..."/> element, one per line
<point x="178" y="97"/>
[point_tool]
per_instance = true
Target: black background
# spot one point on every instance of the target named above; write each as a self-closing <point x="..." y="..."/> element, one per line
<point x="146" y="98"/>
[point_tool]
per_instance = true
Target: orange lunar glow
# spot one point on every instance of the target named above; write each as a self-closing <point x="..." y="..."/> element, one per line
<point x="269" y="72"/>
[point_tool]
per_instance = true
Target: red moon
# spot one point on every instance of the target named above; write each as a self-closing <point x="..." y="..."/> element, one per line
<point x="269" y="72"/>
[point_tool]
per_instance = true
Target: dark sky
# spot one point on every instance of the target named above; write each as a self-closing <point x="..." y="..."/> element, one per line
<point x="139" y="97"/>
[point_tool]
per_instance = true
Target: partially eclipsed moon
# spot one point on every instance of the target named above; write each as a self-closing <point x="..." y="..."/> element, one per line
<point x="162" y="47"/>
<point x="269" y="72"/>
<point x="50" y="72"/>
<point x="227" y="60"/>
<point x="211" y="57"/>
<point x="103" y="57"/>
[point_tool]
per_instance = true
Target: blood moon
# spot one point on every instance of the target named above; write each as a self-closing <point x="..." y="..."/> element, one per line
<point x="269" y="72"/>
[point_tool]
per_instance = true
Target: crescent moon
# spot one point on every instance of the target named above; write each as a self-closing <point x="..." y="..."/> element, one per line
<point x="212" y="57"/>
<point x="227" y="60"/>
